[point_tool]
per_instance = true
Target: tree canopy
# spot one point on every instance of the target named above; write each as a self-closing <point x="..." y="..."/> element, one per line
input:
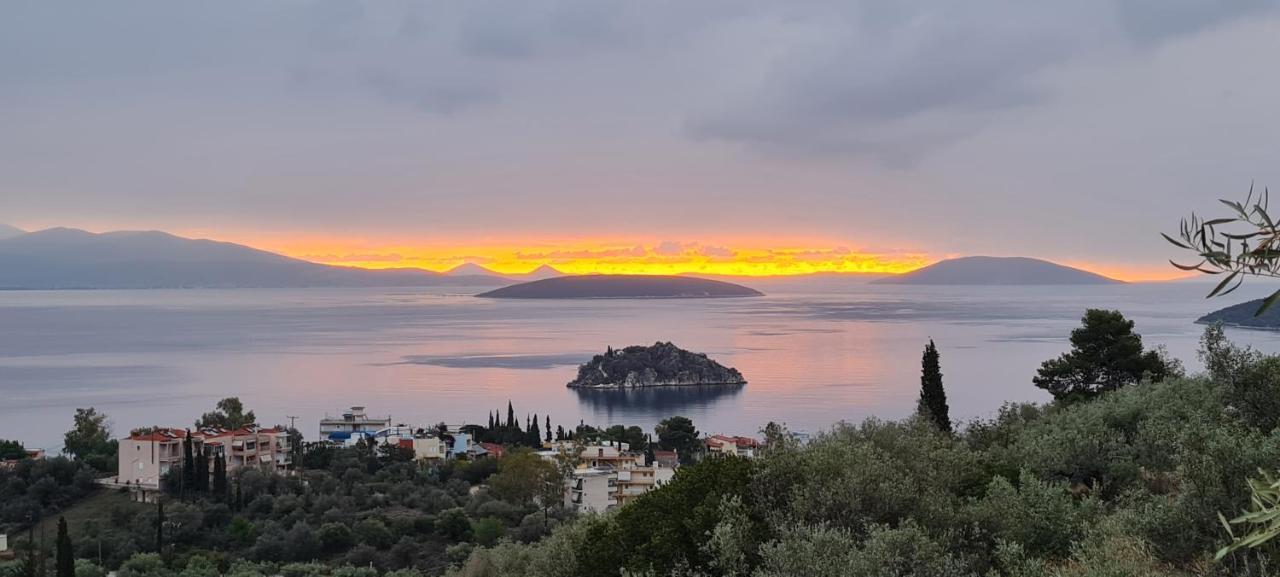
<point x="678" y="434"/>
<point x="1105" y="355"/>
<point x="89" y="440"/>
<point x="229" y="414"/>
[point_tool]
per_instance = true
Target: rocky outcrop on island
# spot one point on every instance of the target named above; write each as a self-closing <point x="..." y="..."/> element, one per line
<point x="660" y="365"/>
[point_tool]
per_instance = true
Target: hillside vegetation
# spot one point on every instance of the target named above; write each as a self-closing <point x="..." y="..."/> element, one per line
<point x="1129" y="483"/>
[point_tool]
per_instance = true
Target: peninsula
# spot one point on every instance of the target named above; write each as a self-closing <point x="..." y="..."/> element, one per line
<point x="660" y="365"/>
<point x="619" y="286"/>
<point x="1243" y="316"/>
<point x="991" y="270"/>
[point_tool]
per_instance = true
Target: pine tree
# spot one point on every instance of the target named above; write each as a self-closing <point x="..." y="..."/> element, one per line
<point x="933" y="398"/>
<point x="65" y="561"/>
<point x="560" y="432"/>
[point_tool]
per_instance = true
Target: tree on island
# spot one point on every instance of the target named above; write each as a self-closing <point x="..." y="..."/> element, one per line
<point x="1105" y="355"/>
<point x="229" y="414"/>
<point x="933" y="398"/>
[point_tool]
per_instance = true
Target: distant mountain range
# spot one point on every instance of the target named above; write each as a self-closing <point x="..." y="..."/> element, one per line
<point x="990" y="270"/>
<point x="621" y="286"/>
<point x="472" y="269"/>
<point x="66" y="258"/>
<point x="7" y="231"/>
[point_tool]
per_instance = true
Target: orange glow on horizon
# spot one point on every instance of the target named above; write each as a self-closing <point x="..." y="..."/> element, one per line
<point x="732" y="257"/>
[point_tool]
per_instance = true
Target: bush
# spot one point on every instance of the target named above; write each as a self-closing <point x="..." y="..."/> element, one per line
<point x="487" y="531"/>
<point x="374" y="533"/>
<point x="335" y="538"/>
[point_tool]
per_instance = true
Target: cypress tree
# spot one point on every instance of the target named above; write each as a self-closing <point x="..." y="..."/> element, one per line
<point x="65" y="561"/>
<point x="188" y="464"/>
<point x="159" y="526"/>
<point x="547" y="431"/>
<point x="511" y="417"/>
<point x="202" y="471"/>
<point x="220" y="477"/>
<point x="933" y="398"/>
<point x="535" y="436"/>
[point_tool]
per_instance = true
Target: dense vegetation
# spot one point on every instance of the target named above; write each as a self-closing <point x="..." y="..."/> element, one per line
<point x="359" y="510"/>
<point x="1129" y="483"/>
<point x="662" y="363"/>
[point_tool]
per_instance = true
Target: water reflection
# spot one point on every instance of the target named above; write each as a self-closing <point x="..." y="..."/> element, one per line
<point x="654" y="401"/>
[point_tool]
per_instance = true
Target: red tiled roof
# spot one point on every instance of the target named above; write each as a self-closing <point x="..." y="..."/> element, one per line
<point x="740" y="442"/>
<point x="163" y="434"/>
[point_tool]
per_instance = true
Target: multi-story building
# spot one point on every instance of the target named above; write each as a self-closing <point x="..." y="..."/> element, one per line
<point x="608" y="475"/>
<point x="351" y="425"/>
<point x="726" y="445"/>
<point x="144" y="458"/>
<point x="250" y="446"/>
<point x="591" y="489"/>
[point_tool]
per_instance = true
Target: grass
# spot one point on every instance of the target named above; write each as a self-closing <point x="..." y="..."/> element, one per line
<point x="97" y="507"/>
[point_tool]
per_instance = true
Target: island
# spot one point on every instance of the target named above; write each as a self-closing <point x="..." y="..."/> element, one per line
<point x="992" y="270"/>
<point x="1242" y="315"/>
<point x="620" y="286"/>
<point x="660" y="365"/>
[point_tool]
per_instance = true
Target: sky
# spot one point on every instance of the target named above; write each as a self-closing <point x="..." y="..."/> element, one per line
<point x="722" y="135"/>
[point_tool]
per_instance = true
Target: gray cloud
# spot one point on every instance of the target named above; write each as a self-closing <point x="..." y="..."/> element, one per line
<point x="637" y="121"/>
<point x="895" y="80"/>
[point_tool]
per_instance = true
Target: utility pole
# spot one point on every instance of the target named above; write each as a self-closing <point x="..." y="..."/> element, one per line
<point x="291" y="420"/>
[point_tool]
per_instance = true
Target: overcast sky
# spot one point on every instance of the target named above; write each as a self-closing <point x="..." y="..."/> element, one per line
<point x="1075" y="131"/>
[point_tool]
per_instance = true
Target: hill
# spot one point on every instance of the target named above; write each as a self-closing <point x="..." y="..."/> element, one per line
<point x="622" y="286"/>
<point x="662" y="364"/>
<point x="1241" y="315"/>
<point x="472" y="269"/>
<point x="990" y="270"/>
<point x="65" y="258"/>
<point x="7" y="231"/>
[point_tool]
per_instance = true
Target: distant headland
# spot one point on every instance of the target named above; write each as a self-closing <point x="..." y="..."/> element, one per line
<point x="660" y="365"/>
<point x="991" y="270"/>
<point x="622" y="287"/>
<point x="1242" y="315"/>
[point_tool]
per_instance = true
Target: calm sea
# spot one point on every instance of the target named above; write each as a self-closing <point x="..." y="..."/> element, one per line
<point x="813" y="353"/>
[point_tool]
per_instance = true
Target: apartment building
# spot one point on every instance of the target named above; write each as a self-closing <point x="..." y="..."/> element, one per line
<point x="608" y="475"/>
<point x="144" y="458"/>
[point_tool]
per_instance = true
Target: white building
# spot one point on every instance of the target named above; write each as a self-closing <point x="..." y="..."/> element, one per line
<point x="608" y="475"/>
<point x="351" y="425"/>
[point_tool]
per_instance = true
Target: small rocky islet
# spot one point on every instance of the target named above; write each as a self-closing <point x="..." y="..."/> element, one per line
<point x="659" y="365"/>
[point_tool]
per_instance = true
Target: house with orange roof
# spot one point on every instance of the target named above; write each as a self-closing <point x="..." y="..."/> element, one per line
<point x="147" y="455"/>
